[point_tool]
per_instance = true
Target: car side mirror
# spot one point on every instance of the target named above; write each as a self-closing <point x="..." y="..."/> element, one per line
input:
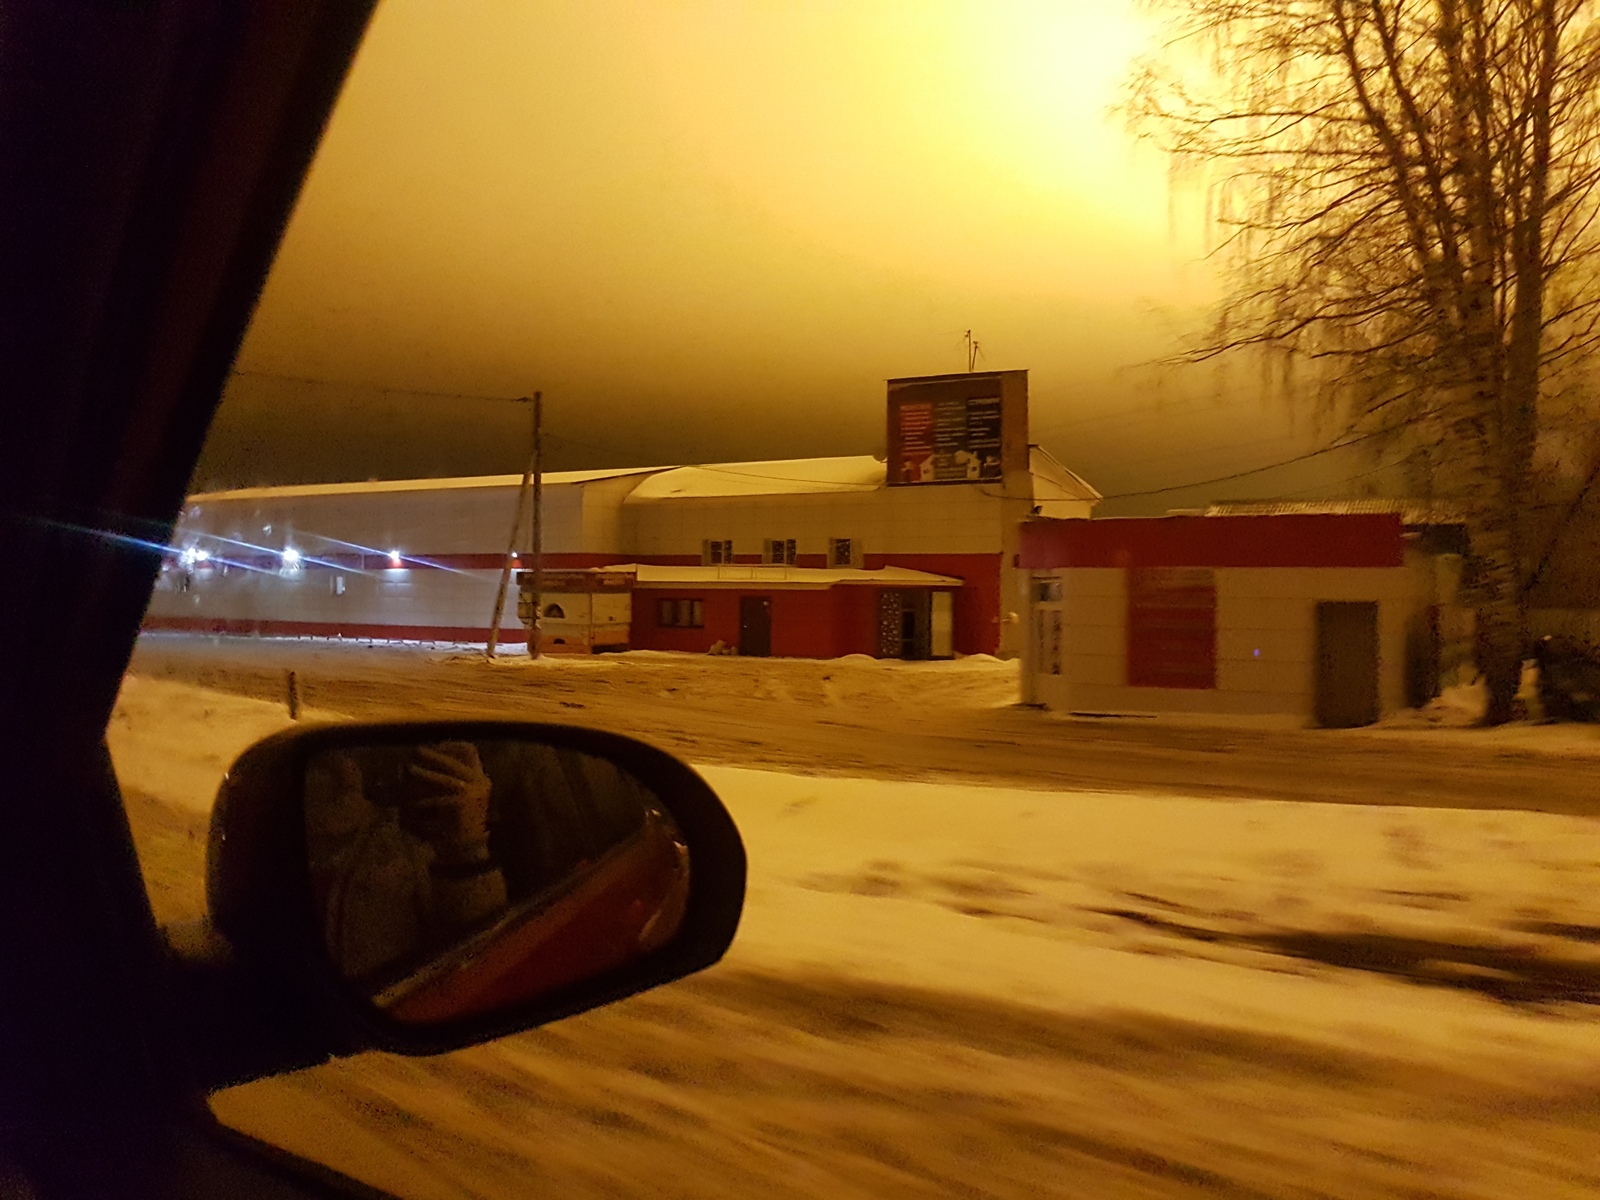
<point x="421" y="886"/>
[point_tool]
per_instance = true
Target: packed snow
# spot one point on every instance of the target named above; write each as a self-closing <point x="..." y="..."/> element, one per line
<point x="1461" y="941"/>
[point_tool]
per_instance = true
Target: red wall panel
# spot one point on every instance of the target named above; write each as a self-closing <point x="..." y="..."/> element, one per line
<point x="1172" y="628"/>
<point x="803" y="623"/>
<point x="720" y="610"/>
<point x="1356" y="540"/>
<point x="855" y="616"/>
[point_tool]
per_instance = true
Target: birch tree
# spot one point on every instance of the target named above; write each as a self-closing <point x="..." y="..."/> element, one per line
<point x="1405" y="192"/>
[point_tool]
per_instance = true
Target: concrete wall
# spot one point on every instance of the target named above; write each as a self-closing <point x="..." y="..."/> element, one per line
<point x="1266" y="639"/>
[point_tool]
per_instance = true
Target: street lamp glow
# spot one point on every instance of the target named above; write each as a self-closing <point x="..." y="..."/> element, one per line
<point x="291" y="557"/>
<point x="394" y="558"/>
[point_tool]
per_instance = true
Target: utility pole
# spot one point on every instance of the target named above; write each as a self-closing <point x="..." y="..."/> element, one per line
<point x="516" y="528"/>
<point x="537" y="606"/>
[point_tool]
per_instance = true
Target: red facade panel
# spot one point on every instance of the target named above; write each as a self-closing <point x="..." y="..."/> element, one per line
<point x="803" y="623"/>
<point x="1172" y="628"/>
<point x="719" y="610"/>
<point x="1357" y="540"/>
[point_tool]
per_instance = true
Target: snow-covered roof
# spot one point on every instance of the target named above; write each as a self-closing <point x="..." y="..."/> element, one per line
<point x="294" y="491"/>
<point x="1052" y="481"/>
<point x="779" y="576"/>
<point x="791" y="476"/>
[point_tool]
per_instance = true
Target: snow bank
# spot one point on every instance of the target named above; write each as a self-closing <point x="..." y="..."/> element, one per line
<point x="174" y="742"/>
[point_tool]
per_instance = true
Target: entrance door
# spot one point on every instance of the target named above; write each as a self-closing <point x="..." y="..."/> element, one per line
<point x="905" y="623"/>
<point x="1347" y="663"/>
<point x="942" y="636"/>
<point x="755" y="626"/>
<point x="916" y="624"/>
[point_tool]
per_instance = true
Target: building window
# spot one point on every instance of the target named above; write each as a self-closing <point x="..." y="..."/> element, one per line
<point x="841" y="552"/>
<point x="1172" y="628"/>
<point x="715" y="553"/>
<point x="338" y="585"/>
<point x="680" y="614"/>
<point x="554" y="612"/>
<point x="1047" y="591"/>
<point x="779" y="550"/>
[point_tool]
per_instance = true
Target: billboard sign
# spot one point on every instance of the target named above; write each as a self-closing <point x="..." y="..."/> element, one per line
<point x="948" y="429"/>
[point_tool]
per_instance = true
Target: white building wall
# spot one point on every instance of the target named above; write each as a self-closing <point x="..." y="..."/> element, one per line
<point x="1093" y="629"/>
<point x="910" y="520"/>
<point x="1266" y="639"/>
<point x="456" y="599"/>
<point x="435" y="521"/>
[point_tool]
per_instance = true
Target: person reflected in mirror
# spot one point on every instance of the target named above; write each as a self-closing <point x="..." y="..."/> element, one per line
<point x="398" y="882"/>
<point x="558" y="811"/>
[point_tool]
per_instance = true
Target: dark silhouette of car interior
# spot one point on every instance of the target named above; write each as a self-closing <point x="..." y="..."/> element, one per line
<point x="153" y="151"/>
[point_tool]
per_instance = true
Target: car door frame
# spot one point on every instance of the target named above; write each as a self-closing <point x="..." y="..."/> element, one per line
<point x="154" y="152"/>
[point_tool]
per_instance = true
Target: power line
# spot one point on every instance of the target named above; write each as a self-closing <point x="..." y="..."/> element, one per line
<point x="1181" y="487"/>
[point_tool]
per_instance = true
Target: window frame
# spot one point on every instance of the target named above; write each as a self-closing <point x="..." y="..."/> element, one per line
<point x="680" y="612"/>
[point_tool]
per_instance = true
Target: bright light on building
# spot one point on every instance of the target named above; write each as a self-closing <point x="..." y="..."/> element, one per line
<point x="394" y="558"/>
<point x="291" y="557"/>
<point x="202" y="555"/>
<point x="188" y="556"/>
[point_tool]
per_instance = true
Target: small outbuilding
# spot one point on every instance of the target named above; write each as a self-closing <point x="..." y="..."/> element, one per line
<point x="753" y="610"/>
<point x="1317" y="616"/>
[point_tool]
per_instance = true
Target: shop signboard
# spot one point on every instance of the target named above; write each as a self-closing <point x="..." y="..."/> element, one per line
<point x="949" y="429"/>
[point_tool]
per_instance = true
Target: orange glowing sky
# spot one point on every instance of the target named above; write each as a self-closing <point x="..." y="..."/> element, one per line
<point x="709" y="231"/>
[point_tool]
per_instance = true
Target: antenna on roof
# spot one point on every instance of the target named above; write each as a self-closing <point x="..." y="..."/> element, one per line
<point x="974" y="351"/>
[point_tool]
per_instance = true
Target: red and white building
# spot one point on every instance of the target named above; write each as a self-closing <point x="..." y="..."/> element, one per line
<point x="1327" y="617"/>
<point x="913" y="557"/>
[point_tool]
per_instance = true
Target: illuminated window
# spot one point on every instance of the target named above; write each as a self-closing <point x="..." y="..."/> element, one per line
<point x="779" y="550"/>
<point x="680" y="614"/>
<point x="841" y="552"/>
<point x="715" y="553"/>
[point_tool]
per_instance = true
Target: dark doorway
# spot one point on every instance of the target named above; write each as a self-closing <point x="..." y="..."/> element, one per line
<point x="1347" y="663"/>
<point x="755" y="626"/>
<point x="905" y="624"/>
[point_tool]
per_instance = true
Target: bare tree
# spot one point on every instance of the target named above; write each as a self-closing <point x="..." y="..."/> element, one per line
<point x="1406" y="191"/>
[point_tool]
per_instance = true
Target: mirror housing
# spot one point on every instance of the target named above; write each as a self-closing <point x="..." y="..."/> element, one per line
<point x="260" y="890"/>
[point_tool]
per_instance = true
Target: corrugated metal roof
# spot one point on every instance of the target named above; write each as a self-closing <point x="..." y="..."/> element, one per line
<point x="1412" y="512"/>
<point x="295" y="490"/>
<point x="791" y="476"/>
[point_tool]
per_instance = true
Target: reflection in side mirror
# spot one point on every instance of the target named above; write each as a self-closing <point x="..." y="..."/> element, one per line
<point x="458" y="878"/>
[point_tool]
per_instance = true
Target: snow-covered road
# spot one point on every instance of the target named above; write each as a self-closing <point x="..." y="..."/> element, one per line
<point x="956" y="989"/>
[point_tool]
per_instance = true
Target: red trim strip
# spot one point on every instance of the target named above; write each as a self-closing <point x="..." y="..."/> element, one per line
<point x="247" y="627"/>
<point x="1320" y="540"/>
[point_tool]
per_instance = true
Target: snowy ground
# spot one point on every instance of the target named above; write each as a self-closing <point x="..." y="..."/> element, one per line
<point x="953" y="989"/>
